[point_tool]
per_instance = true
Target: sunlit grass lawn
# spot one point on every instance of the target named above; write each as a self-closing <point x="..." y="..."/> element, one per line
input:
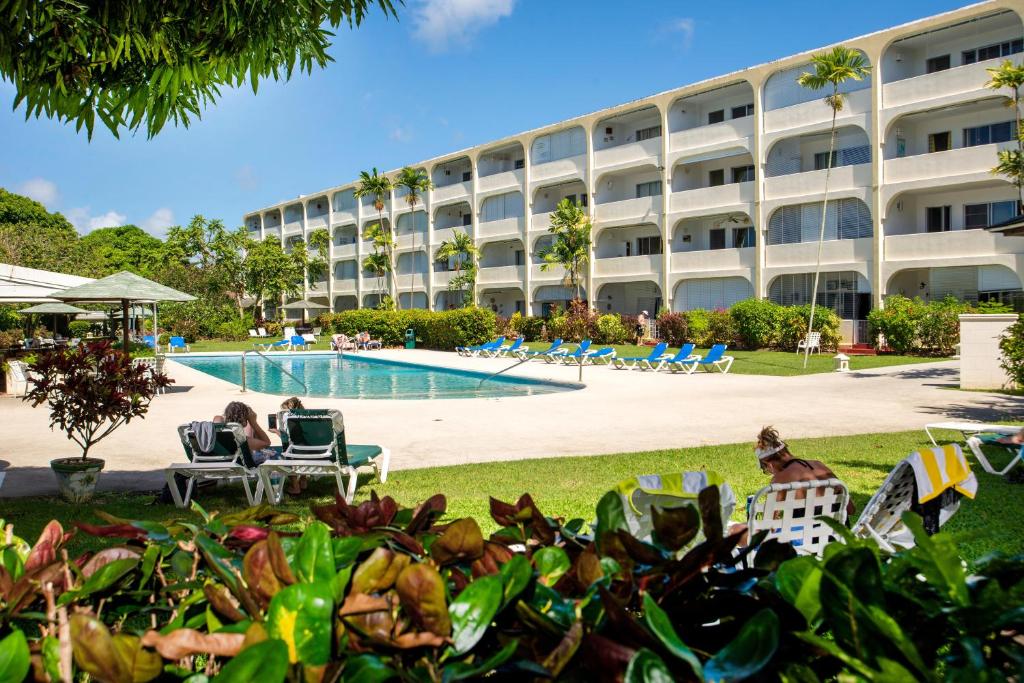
<point x="569" y="487"/>
<point x="747" y="362"/>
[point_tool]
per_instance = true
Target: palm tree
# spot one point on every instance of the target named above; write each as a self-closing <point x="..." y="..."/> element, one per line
<point x="571" y="248"/>
<point x="460" y="248"/>
<point x="383" y="244"/>
<point x="379" y="187"/>
<point x="377" y="263"/>
<point x="831" y="70"/>
<point x="1011" y="161"/>
<point x="415" y="182"/>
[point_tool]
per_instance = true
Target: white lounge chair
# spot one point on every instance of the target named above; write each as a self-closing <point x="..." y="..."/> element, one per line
<point x="19" y="375"/>
<point x="971" y="432"/>
<point x="791" y="512"/>
<point x="263" y="332"/>
<point x="229" y="460"/>
<point x="317" y="448"/>
<point x="253" y="334"/>
<point x="811" y="341"/>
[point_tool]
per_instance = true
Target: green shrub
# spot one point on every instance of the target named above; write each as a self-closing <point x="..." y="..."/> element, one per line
<point x="938" y="329"/>
<point x="459" y="327"/>
<point x="234" y="330"/>
<point x="1012" y="347"/>
<point x="579" y="322"/>
<point x="10" y="339"/>
<point x="9" y="318"/>
<point x="377" y="592"/>
<point x="993" y="307"/>
<point x="533" y="328"/>
<point x="698" y="326"/>
<point x="273" y="328"/>
<point x="721" y="328"/>
<point x="793" y="326"/>
<point x="442" y="330"/>
<point x="757" y="323"/>
<point x="898" y="322"/>
<point x="610" y="330"/>
<point x="673" y="328"/>
<point x="79" y="328"/>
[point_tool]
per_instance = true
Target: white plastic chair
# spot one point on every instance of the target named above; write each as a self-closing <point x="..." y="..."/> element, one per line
<point x="790" y="512"/>
<point x="230" y="460"/>
<point x="812" y="340"/>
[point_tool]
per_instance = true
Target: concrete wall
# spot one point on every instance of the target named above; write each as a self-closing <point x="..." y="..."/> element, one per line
<point x="979" y="351"/>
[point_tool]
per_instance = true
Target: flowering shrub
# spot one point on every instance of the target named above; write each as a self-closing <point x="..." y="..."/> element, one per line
<point x="674" y="328"/>
<point x="1012" y="347"/>
<point x="757" y="323"/>
<point x="794" y="322"/>
<point x="611" y="330"/>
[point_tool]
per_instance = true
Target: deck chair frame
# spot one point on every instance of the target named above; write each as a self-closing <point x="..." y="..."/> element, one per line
<point x="970" y="432"/>
<point x="788" y="518"/>
<point x="227" y="467"/>
<point x="812" y="340"/>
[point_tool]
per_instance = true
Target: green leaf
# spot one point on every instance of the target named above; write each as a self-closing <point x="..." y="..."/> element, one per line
<point x="346" y="550"/>
<point x="266" y="662"/>
<point x="471" y="613"/>
<point x="748" y="652"/>
<point x="460" y="671"/>
<point x="661" y="626"/>
<point x="799" y="582"/>
<point x="14" y="657"/>
<point x="610" y="514"/>
<point x="647" y="667"/>
<point x="104" y="577"/>
<point x="313" y="559"/>
<point x="367" y="669"/>
<point x="939" y="560"/>
<point x="551" y="562"/>
<point x="301" y="616"/>
<point x="515" y="577"/>
<point x="422" y="592"/>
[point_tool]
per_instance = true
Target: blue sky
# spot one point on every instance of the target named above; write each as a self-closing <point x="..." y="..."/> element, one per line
<point x="449" y="74"/>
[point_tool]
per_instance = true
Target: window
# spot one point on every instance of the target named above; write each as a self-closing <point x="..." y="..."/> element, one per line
<point x="936" y="64"/>
<point x="519" y="163"/>
<point x="994" y="132"/>
<point x="937" y="218"/>
<point x="743" y="110"/>
<point x="742" y="238"/>
<point x="716" y="177"/>
<point x="520" y="257"/>
<point x="467" y="219"/>
<point x="578" y="199"/>
<point x="467" y="176"/>
<point x="651" y="189"/>
<point x="846" y="219"/>
<point x="939" y="142"/>
<point x="716" y="116"/>
<point x="646" y="246"/>
<point x="984" y="215"/>
<point x="742" y="174"/>
<point x="716" y="238"/>
<point x="648" y="133"/>
<point x="980" y="54"/>
<point x="847" y="156"/>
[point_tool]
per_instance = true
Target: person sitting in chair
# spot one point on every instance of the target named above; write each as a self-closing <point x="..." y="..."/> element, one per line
<point x="775" y="458"/>
<point x="259" y="442"/>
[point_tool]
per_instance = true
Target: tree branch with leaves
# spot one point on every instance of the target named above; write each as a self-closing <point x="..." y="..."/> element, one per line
<point x="571" y="248"/>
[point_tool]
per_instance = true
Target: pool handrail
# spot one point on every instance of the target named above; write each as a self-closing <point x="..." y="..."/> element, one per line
<point x="305" y="389"/>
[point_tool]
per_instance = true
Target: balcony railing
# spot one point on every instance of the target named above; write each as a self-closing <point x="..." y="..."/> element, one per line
<point x="950" y="244"/>
<point x="541" y="221"/>
<point x="806" y="253"/>
<point x="735" y="131"/>
<point x="628" y="265"/>
<point x="639" y="209"/>
<point x="708" y="198"/>
<point x="505" y="226"/>
<point x="345" y="250"/>
<point x="630" y="152"/>
<point x="559" y="168"/>
<point x="495" y="274"/>
<point x="813" y="182"/>
<point x="445" y="193"/>
<point x="500" y="181"/>
<point x="960" y="80"/>
<point x="344" y="216"/>
<point x="939" y="165"/>
<point x="293" y="226"/>
<point x="345" y="286"/>
<point x="552" y="275"/>
<point x="319" y="221"/>
<point x="815" y="111"/>
<point x="407" y="280"/>
<point x="713" y="260"/>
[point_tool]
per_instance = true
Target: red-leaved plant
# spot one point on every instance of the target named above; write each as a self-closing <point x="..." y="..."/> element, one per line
<point x="92" y="389"/>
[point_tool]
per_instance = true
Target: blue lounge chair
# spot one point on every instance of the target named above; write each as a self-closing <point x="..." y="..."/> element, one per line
<point x="517" y="345"/>
<point x="631" y="362"/>
<point x="524" y="355"/>
<point x="716" y="359"/>
<point x="285" y="344"/>
<point x="177" y="343"/>
<point x="150" y="341"/>
<point x="575" y="357"/>
<point x="600" y="356"/>
<point x="299" y="341"/>
<point x="473" y="351"/>
<point x="675" y="363"/>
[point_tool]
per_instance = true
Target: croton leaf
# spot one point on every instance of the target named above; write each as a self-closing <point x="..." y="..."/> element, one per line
<point x="14" y="657"/>
<point x="611" y="516"/>
<point x="461" y="541"/>
<point x="102" y="579"/>
<point x="426" y="513"/>
<point x="379" y="571"/>
<point x="710" y="512"/>
<point x="367" y="669"/>
<point x="301" y="615"/>
<point x="661" y="626"/>
<point x="647" y="667"/>
<point x="463" y="670"/>
<point x="748" y="652"/>
<point x="313" y="559"/>
<point x="258" y="572"/>
<point x="113" y="659"/>
<point x="472" y="612"/>
<point x="184" y="642"/>
<point x="266" y="662"/>
<point x="222" y="601"/>
<point x="674" y="528"/>
<point x="105" y="557"/>
<point x="799" y="582"/>
<point x="563" y="653"/>
<point x="421" y="590"/>
<point x="551" y="563"/>
<point x="515" y="577"/>
<point x="45" y="550"/>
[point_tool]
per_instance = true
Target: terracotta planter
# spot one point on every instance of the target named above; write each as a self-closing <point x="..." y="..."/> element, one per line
<point x="77" y="477"/>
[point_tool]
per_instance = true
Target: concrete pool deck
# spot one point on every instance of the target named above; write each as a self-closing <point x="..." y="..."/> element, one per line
<point x="617" y="412"/>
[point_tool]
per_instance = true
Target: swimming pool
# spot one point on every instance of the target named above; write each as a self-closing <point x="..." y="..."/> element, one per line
<point x="363" y="376"/>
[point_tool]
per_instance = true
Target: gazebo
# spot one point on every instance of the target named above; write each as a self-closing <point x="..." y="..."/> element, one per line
<point x="53" y="309"/>
<point x="123" y="287"/>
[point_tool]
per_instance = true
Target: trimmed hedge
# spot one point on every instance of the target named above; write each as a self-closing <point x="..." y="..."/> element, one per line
<point x="443" y="330"/>
<point x="913" y="326"/>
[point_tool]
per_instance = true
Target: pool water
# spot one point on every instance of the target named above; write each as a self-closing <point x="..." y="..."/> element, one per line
<point x="363" y="376"/>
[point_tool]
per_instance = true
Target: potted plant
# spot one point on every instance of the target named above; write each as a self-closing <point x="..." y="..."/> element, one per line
<point x="91" y="389"/>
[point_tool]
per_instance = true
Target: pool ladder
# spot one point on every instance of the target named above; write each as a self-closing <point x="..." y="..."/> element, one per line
<point x="305" y="389"/>
<point x="516" y="365"/>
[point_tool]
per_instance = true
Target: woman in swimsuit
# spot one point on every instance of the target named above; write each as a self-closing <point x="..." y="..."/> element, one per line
<point x="775" y="459"/>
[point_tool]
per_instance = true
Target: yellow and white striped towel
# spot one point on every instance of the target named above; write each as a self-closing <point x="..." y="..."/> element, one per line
<point x="939" y="468"/>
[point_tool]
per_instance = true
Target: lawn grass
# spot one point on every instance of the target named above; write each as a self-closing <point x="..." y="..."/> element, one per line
<point x="777" y="363"/>
<point x="569" y="487"/>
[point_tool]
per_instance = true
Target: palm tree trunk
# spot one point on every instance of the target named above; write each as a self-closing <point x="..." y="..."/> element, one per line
<point x="1020" y="149"/>
<point x="389" y="249"/>
<point x="821" y="231"/>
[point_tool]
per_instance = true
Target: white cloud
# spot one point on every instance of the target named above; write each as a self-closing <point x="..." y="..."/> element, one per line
<point x="158" y="221"/>
<point x="685" y="27"/>
<point x="441" y="23"/>
<point x="40" y="189"/>
<point x="400" y="134"/>
<point x="81" y="217"/>
<point x="246" y="178"/>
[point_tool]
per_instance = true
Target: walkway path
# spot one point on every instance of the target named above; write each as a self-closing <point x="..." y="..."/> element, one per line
<point x="617" y="412"/>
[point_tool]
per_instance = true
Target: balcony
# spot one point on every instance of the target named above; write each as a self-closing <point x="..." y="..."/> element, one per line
<point x="950" y="245"/>
<point x="805" y="254"/>
<point x="553" y="275"/>
<point x="559" y="168"/>
<point x="342" y="251"/>
<point x="346" y="286"/>
<point x="541" y="221"/>
<point x="712" y="198"/>
<point x="813" y="182"/>
<point x="961" y="80"/>
<point x="411" y="240"/>
<point x="446" y="193"/>
<point x="293" y="226"/>
<point x="627" y="265"/>
<point x="631" y="152"/>
<point x="713" y="260"/>
<point x="500" y="274"/>
<point x="943" y="165"/>
<point x="641" y="210"/>
<point x="344" y="216"/>
<point x="319" y="221"/>
<point x="407" y="280"/>
<point x="731" y="133"/>
<point x="815" y="112"/>
<point x="504" y="180"/>
<point x="501" y="228"/>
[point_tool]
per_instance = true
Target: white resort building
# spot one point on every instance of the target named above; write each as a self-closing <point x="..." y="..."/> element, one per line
<point x="711" y="193"/>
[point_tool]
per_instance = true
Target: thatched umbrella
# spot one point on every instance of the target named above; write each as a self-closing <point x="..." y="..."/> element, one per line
<point x="124" y="287"/>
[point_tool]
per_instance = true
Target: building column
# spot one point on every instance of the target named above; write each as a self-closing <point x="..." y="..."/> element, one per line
<point x="528" y="237"/>
<point x="877" y="137"/>
<point x="760" y="223"/>
<point x="588" y="184"/>
<point x="330" y="253"/>
<point x="428" y="201"/>
<point x="666" y="195"/>
<point x="359" y="253"/>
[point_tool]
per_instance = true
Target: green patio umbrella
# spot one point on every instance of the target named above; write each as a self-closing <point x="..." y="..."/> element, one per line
<point x="125" y="288"/>
<point x="53" y="309"/>
<point x="306" y="305"/>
